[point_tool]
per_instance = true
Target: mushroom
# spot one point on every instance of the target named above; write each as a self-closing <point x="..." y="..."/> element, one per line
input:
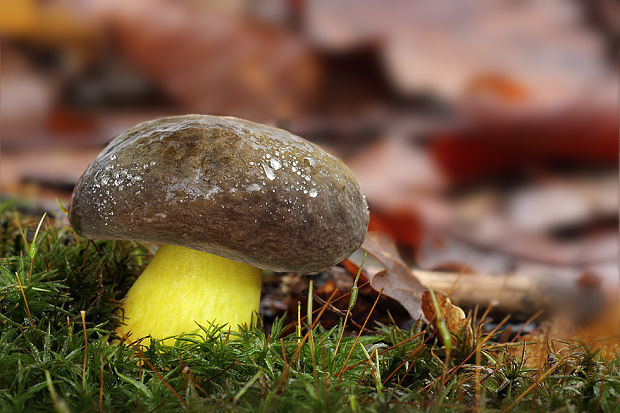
<point x="225" y="198"/>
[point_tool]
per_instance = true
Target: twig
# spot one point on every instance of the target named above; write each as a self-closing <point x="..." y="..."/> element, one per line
<point x="507" y="293"/>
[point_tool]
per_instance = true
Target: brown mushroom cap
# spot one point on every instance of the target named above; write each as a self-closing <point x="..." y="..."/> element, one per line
<point x="230" y="187"/>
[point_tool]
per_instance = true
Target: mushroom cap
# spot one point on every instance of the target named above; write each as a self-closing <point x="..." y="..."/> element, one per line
<point x="241" y="190"/>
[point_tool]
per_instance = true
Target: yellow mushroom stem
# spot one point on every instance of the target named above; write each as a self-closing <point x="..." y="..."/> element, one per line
<point x="182" y="288"/>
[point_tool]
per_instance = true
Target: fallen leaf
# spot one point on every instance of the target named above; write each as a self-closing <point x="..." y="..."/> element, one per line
<point x="498" y="85"/>
<point x="393" y="168"/>
<point x="560" y="335"/>
<point x="444" y="46"/>
<point x="402" y="225"/>
<point x="396" y="280"/>
<point x="453" y="316"/>
<point x="211" y="61"/>
<point x="501" y="141"/>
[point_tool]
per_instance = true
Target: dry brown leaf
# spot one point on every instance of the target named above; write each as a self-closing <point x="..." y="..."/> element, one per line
<point x="211" y="61"/>
<point x="392" y="168"/>
<point x="443" y="46"/>
<point x="560" y="335"/>
<point x="396" y="280"/>
<point x="453" y="316"/>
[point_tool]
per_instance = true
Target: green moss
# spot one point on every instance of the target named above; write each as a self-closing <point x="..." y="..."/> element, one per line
<point x="45" y="363"/>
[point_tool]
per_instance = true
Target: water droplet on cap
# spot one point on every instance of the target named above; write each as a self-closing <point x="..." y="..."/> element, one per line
<point x="269" y="172"/>
<point x="275" y="163"/>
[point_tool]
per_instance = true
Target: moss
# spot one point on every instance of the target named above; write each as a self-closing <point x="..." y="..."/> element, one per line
<point x="50" y="360"/>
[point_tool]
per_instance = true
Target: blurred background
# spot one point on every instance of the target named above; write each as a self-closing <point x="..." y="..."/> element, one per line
<point x="484" y="133"/>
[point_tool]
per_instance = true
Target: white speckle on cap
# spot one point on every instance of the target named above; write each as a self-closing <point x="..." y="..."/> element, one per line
<point x="254" y="187"/>
<point x="269" y="172"/>
<point x="275" y="163"/>
<point x="310" y="161"/>
<point x="212" y="191"/>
